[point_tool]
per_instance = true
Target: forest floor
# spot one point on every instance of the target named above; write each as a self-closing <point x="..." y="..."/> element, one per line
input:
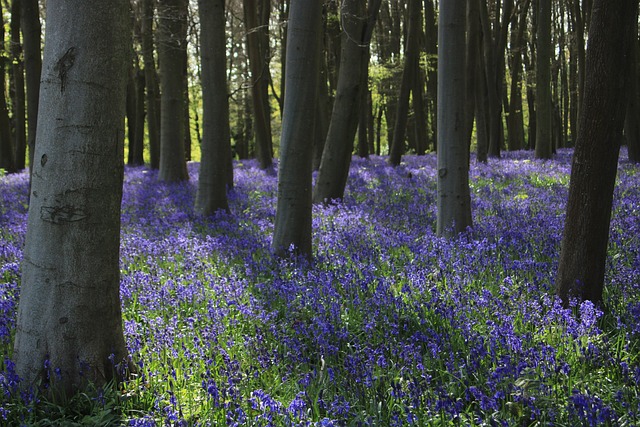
<point x="388" y="326"/>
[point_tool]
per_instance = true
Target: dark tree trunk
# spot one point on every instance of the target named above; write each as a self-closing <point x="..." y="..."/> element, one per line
<point x="358" y="25"/>
<point x="69" y="312"/>
<point x="431" y="46"/>
<point x="19" y="102"/>
<point x="584" y="244"/>
<point x="152" y="85"/>
<point x="293" y="213"/>
<point x="7" y="149"/>
<point x="256" y="14"/>
<point x="544" y="107"/>
<point x="453" y="198"/>
<point x="632" y="119"/>
<point x="172" y="34"/>
<point x="515" y="122"/>
<point x="409" y="75"/>
<point x="216" y="140"/>
<point x="31" y="42"/>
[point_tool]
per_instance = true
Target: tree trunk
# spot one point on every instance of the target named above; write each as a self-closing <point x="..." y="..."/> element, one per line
<point x="454" y="205"/>
<point x="7" y="149"/>
<point x="216" y="142"/>
<point x="257" y="23"/>
<point x="19" y="102"/>
<point x="69" y="313"/>
<point x="584" y="244"/>
<point x="31" y="41"/>
<point x="293" y="213"/>
<point x="632" y="119"/>
<point x="172" y="39"/>
<point x="431" y="37"/>
<point x="357" y="26"/>
<point x="409" y="74"/>
<point x="515" y="122"/>
<point x="151" y="80"/>
<point x="544" y="109"/>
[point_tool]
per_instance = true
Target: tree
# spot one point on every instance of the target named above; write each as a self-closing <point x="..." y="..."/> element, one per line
<point x="216" y="145"/>
<point x="18" y="99"/>
<point x="151" y="82"/>
<point x="594" y="166"/>
<point x="293" y="213"/>
<point x="453" y="199"/>
<point x="69" y="312"/>
<point x="257" y="24"/>
<point x="172" y="40"/>
<point x="31" y="40"/>
<point x="357" y="23"/>
<point x="7" y="149"/>
<point x="544" y="109"/>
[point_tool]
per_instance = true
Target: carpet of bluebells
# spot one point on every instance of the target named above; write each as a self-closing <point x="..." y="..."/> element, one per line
<point x="388" y="326"/>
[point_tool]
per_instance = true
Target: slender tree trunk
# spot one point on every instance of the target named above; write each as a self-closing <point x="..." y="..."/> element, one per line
<point x="216" y="140"/>
<point x="172" y="32"/>
<point x="357" y="26"/>
<point x="544" y="109"/>
<point x="19" y="102"/>
<point x="454" y="202"/>
<point x="584" y="244"/>
<point x="515" y="122"/>
<point x="7" y="148"/>
<point x="69" y="312"/>
<point x="151" y="80"/>
<point x="256" y="22"/>
<point x="31" y="41"/>
<point x="293" y="213"/>
<point x="431" y="37"/>
<point x="409" y="75"/>
<point x="471" y="60"/>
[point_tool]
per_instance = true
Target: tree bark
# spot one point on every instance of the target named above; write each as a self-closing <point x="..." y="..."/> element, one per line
<point x="151" y="81"/>
<point x="19" y="101"/>
<point x="256" y="22"/>
<point x="31" y="41"/>
<point x="172" y="39"/>
<point x="544" y="109"/>
<point x="216" y="140"/>
<point x="293" y="212"/>
<point x="515" y="121"/>
<point x="584" y="244"/>
<point x="358" y="26"/>
<point x="69" y="314"/>
<point x="632" y="119"/>
<point x="453" y="198"/>
<point x="7" y="148"/>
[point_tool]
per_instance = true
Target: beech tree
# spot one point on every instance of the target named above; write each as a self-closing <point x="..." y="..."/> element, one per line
<point x="453" y="199"/>
<point x="172" y="41"/>
<point x="358" y="20"/>
<point x="31" y="41"/>
<point x="293" y="213"/>
<point x="216" y="148"/>
<point x="595" y="159"/>
<point x="544" y="109"/>
<point x="69" y="324"/>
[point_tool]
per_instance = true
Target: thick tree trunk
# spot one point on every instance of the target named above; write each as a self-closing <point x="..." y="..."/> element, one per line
<point x="19" y="101"/>
<point x="31" y="41"/>
<point x="453" y="198"/>
<point x="151" y="81"/>
<point x="216" y="141"/>
<point x="172" y="39"/>
<point x="257" y="23"/>
<point x="544" y="109"/>
<point x="584" y="244"/>
<point x="293" y="213"/>
<point x="69" y="313"/>
<point x="357" y="25"/>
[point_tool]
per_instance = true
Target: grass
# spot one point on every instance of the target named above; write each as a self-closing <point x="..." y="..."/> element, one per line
<point x="389" y="325"/>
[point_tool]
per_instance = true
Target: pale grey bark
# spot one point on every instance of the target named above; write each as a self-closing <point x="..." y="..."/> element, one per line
<point x="172" y="49"/>
<point x="293" y="214"/>
<point x="216" y="144"/>
<point x="453" y="199"/>
<point x="69" y="311"/>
